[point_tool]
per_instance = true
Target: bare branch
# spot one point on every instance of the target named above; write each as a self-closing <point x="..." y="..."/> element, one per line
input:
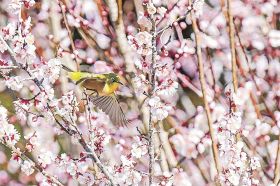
<point x="203" y="88"/>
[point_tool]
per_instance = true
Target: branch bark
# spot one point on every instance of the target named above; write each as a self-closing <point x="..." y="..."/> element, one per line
<point x="232" y="45"/>
<point x="203" y="88"/>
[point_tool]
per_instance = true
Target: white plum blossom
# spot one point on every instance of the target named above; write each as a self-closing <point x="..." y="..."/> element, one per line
<point x="3" y="114"/>
<point x="151" y="9"/>
<point x="134" y="178"/>
<point x="141" y="83"/>
<point x="142" y="43"/>
<point x="126" y="174"/>
<point x="190" y="144"/>
<point x="99" y="139"/>
<point x="32" y="141"/>
<point x="126" y="162"/>
<point x="234" y="160"/>
<point x="55" y="117"/>
<point x="143" y="38"/>
<point x="255" y="163"/>
<point x="274" y="38"/>
<point x="3" y="47"/>
<point x="161" y="11"/>
<point x="198" y="7"/>
<point x="69" y="108"/>
<point x="72" y="169"/>
<point x="168" y="87"/>
<point x="86" y="178"/>
<point x="16" y="5"/>
<point x="8" y="133"/>
<point x="45" y="158"/>
<point x="9" y="31"/>
<point x="14" y="83"/>
<point x="138" y="149"/>
<point x="50" y="70"/>
<point x="144" y="21"/>
<point x="159" y="110"/>
<point x="27" y="167"/>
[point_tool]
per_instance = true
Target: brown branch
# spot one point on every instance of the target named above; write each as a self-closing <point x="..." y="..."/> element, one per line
<point x="203" y="88"/>
<point x="253" y="76"/>
<point x="201" y="170"/>
<point x="232" y="45"/>
<point x="276" y="178"/>
<point x="73" y="48"/>
<point x="181" y="18"/>
<point x="151" y="123"/>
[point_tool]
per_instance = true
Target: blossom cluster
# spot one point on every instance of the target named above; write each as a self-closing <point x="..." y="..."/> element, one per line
<point x="52" y="134"/>
<point x="237" y="166"/>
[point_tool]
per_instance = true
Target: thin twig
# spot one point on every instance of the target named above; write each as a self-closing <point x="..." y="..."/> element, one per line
<point x="73" y="48"/>
<point x="203" y="88"/>
<point x="232" y="45"/>
<point x="181" y="18"/>
<point x="13" y="55"/>
<point x="253" y="76"/>
<point x="277" y="161"/>
<point x="8" y="67"/>
<point x="201" y="170"/>
<point x="276" y="178"/>
<point x="151" y="123"/>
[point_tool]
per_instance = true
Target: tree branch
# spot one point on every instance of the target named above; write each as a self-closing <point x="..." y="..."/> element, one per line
<point x="203" y="88"/>
<point x="232" y="45"/>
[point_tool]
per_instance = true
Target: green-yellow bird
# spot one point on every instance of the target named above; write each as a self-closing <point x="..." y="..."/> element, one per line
<point x="104" y="87"/>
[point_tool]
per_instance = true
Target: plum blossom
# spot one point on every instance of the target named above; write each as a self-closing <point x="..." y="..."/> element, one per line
<point x="144" y="21"/>
<point x="235" y="161"/>
<point x="126" y="174"/>
<point x="168" y="87"/>
<point x="198" y="7"/>
<point x="8" y="133"/>
<point x="161" y="11"/>
<point x="45" y="158"/>
<point x="141" y="83"/>
<point x="255" y="163"/>
<point x="14" y="83"/>
<point x="3" y="47"/>
<point x="27" y="167"/>
<point x="192" y="144"/>
<point x="138" y="149"/>
<point x="274" y="38"/>
<point x="54" y="66"/>
<point x="32" y="141"/>
<point x="158" y="109"/>
<point x="99" y="139"/>
<point x="86" y="178"/>
<point x="151" y="9"/>
<point x="142" y="43"/>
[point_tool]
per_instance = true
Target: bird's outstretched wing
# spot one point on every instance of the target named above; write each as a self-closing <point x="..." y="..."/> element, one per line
<point x="110" y="105"/>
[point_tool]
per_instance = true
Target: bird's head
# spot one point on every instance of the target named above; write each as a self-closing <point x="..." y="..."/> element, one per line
<point x="113" y="78"/>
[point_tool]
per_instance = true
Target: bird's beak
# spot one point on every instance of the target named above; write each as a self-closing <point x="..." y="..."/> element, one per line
<point x="120" y="82"/>
<point x="67" y="69"/>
